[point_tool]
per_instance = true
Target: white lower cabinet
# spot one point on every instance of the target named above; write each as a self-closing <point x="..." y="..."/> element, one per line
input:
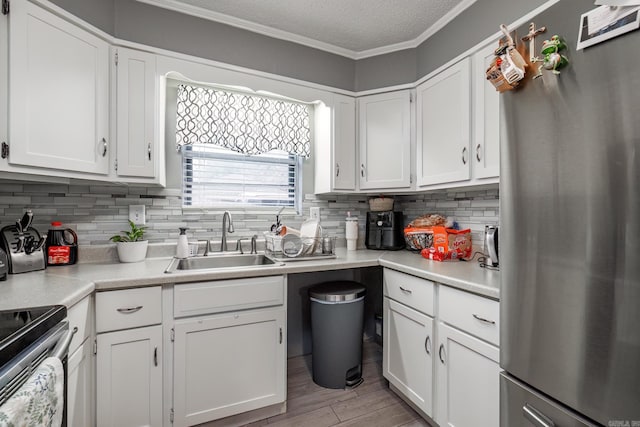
<point x="468" y="385"/>
<point x="230" y="363"/>
<point x="408" y="353"/>
<point x="79" y="387"/>
<point x="435" y="362"/>
<point x="230" y="348"/>
<point x="129" y="377"/>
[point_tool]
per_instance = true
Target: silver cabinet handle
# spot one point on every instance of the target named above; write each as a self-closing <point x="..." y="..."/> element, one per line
<point x="337" y="169"/>
<point x="427" y="345"/>
<point x="104" y="147"/>
<point x="406" y="291"/>
<point x="149" y="151"/>
<point x="482" y="319"/>
<point x="155" y="356"/>
<point x="464" y="155"/>
<point x="280" y="335"/>
<point x="362" y="170"/>
<point x="478" y="151"/>
<point x="129" y="310"/>
<point x="536" y="417"/>
<point x="440" y="351"/>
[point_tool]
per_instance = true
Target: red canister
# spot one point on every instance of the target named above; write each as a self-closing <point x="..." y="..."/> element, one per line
<point x="62" y="245"/>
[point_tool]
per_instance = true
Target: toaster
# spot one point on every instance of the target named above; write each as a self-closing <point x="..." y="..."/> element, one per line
<point x="384" y="230"/>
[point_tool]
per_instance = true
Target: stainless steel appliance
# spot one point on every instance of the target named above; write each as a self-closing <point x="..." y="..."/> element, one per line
<point x="491" y="244"/>
<point x="27" y="337"/>
<point x="23" y="245"/>
<point x="384" y="230"/>
<point x="570" y="217"/>
<point x="4" y="265"/>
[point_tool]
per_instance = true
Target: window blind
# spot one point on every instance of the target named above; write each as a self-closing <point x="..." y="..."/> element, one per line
<point x="214" y="176"/>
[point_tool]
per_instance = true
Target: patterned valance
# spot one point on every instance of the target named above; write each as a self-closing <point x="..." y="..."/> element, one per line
<point x="248" y="124"/>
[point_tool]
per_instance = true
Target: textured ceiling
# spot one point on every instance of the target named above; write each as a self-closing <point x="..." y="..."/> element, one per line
<point x="353" y="25"/>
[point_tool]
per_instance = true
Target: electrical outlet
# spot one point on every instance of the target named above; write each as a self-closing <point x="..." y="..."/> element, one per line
<point x="314" y="213"/>
<point x="136" y="214"/>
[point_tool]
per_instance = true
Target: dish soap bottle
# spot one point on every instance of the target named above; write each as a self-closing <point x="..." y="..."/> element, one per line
<point x="182" y="250"/>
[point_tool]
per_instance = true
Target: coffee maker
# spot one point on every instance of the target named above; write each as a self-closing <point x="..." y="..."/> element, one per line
<point x="385" y="230"/>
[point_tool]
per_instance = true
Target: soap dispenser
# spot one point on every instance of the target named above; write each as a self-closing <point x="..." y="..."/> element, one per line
<point x="182" y="251"/>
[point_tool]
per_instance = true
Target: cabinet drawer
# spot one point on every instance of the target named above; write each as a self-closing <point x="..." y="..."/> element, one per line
<point x="226" y="295"/>
<point x="80" y="316"/>
<point x="128" y="308"/>
<point x="472" y="313"/>
<point x="409" y="290"/>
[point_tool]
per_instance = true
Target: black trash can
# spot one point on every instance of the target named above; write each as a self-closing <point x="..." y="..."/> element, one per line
<point x="337" y="316"/>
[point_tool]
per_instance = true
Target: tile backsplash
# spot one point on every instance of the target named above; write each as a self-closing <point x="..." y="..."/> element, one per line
<point x="97" y="212"/>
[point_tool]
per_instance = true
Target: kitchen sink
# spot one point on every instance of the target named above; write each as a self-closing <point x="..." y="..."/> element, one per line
<point x="220" y="261"/>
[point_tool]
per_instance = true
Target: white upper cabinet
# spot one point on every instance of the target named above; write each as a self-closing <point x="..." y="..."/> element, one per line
<point x="335" y="146"/>
<point x="385" y="141"/>
<point x="58" y="94"/>
<point x="138" y="148"/>
<point x="444" y="126"/>
<point x="344" y="143"/>
<point x="486" y="103"/>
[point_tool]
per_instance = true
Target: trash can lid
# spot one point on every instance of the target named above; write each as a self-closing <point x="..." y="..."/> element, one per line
<point x="337" y="291"/>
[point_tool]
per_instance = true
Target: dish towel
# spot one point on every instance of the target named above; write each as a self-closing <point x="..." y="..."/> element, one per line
<point x="39" y="401"/>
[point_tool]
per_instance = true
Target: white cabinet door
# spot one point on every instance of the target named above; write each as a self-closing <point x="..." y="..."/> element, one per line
<point x="486" y="151"/>
<point x="385" y="140"/>
<point x="129" y="378"/>
<point x="80" y="386"/>
<point x="468" y="380"/>
<point x="137" y="138"/>
<point x="344" y="143"/>
<point x="408" y="353"/>
<point x="444" y="126"/>
<point x="58" y="93"/>
<point x="227" y="364"/>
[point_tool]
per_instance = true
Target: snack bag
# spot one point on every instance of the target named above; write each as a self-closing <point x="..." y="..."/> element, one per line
<point x="449" y="244"/>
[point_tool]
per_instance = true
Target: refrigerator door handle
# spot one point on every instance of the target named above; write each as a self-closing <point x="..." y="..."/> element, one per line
<point x="536" y="417"/>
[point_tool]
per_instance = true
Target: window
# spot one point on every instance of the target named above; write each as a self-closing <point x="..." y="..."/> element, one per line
<point x="214" y="176"/>
<point x="240" y="149"/>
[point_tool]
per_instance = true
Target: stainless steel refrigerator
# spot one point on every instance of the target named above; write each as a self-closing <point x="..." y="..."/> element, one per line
<point x="570" y="235"/>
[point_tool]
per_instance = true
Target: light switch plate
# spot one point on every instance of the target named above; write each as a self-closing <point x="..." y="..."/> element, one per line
<point x="136" y="214"/>
<point x="314" y="213"/>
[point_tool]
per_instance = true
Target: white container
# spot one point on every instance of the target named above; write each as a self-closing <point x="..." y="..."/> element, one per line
<point x="182" y="250"/>
<point x="351" y="232"/>
<point x="132" y="251"/>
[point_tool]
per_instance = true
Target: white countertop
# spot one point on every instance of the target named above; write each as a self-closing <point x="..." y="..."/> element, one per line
<point x="69" y="284"/>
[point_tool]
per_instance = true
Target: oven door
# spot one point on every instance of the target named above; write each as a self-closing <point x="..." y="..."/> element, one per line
<point x="55" y="342"/>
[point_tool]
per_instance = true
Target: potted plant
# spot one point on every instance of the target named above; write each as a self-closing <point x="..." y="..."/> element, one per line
<point x="130" y="244"/>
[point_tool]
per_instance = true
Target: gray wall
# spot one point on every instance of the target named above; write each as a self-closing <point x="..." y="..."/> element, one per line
<point x="153" y="26"/>
<point x="479" y="21"/>
<point x="99" y="13"/>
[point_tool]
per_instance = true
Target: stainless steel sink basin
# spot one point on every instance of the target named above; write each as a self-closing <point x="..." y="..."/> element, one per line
<point x="219" y="261"/>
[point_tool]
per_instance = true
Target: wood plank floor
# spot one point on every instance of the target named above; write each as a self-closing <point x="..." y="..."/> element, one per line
<point x="371" y="404"/>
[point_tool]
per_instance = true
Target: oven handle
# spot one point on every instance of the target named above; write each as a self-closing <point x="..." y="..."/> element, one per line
<point x="61" y="349"/>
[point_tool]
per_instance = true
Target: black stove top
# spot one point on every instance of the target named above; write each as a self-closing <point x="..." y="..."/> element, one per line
<point x="20" y="328"/>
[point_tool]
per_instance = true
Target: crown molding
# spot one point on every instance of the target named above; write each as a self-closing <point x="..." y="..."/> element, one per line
<point x="222" y="18"/>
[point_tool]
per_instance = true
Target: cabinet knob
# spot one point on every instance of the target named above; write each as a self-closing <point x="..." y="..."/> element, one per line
<point x="104" y="147"/>
<point x="337" y="169"/>
<point x="427" y="345"/>
<point x="129" y="310"/>
<point x="483" y="320"/>
<point x="478" y="152"/>
<point x="362" y="170"/>
<point x="155" y="356"/>
<point x="149" y="151"/>
<point x="464" y="155"/>
<point x="440" y="353"/>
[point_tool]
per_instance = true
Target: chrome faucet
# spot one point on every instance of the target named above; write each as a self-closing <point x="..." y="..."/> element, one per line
<point x="226" y="217"/>
<point x="254" y="249"/>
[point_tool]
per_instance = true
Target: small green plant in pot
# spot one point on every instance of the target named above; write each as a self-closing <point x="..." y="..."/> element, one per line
<point x="130" y="244"/>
